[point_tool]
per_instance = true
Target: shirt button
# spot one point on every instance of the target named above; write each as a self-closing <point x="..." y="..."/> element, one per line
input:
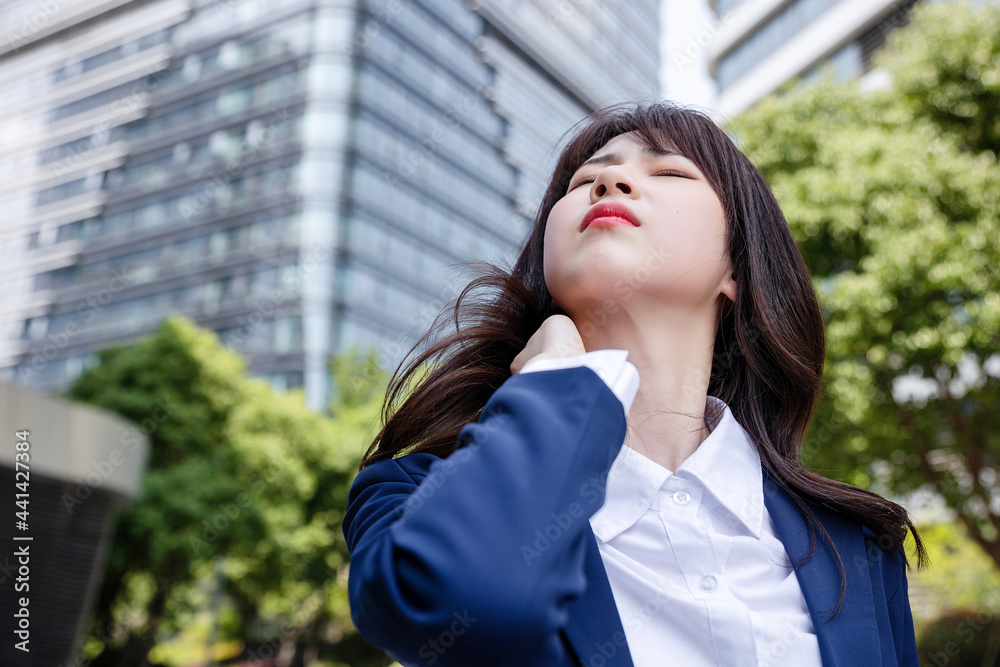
<point x="707" y="583"/>
<point x="682" y="497"/>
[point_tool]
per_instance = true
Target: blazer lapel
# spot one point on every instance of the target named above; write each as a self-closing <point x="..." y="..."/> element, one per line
<point x="851" y="638"/>
<point x="848" y="640"/>
<point x="594" y="624"/>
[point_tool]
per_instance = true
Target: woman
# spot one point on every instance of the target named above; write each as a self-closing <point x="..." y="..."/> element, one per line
<point x="583" y="518"/>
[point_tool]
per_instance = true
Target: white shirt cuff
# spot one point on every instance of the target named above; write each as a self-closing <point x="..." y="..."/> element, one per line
<point x="621" y="376"/>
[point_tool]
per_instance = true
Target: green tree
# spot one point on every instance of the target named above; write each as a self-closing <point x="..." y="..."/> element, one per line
<point x="947" y="67"/>
<point x="236" y="471"/>
<point x="184" y="389"/>
<point x="308" y="461"/>
<point x="963" y="577"/>
<point x="894" y="198"/>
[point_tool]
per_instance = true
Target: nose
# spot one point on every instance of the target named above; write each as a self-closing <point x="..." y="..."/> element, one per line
<point x="612" y="178"/>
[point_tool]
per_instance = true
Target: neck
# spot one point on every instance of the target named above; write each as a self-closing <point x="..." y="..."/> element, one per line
<point x="672" y="350"/>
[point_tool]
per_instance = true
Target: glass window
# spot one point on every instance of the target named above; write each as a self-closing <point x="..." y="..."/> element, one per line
<point x="69" y="232"/>
<point x="182" y="152"/>
<point x="151" y="215"/>
<point x="234" y="237"/>
<point x="74" y="366"/>
<point x="63" y="191"/>
<point x="191" y="69"/>
<point x="102" y="58"/>
<point x="768" y="38"/>
<point x="232" y="55"/>
<point x="258" y="234"/>
<point x="210" y="295"/>
<point x="144" y="272"/>
<point x="35" y="328"/>
<point x="192" y="250"/>
<point x="234" y="101"/>
<point x="293" y="225"/>
<point x="290" y="278"/>
<point x="69" y="151"/>
<point x="92" y="228"/>
<point x="217" y="244"/>
<point x="287" y="334"/>
<point x="93" y="101"/>
<point x="226" y="289"/>
<point x="264" y="282"/>
<point x="722" y="6"/>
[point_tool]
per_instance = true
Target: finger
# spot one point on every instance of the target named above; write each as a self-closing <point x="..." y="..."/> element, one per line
<point x="520" y="360"/>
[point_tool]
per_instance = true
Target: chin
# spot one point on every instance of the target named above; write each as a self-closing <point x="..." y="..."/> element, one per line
<point x="584" y="299"/>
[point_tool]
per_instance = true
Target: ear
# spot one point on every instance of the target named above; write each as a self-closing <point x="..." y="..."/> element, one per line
<point x="727" y="286"/>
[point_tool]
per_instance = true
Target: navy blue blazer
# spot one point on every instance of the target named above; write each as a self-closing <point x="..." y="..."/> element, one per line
<point x="487" y="557"/>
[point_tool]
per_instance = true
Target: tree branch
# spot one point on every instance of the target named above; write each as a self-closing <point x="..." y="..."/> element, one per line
<point x="990" y="548"/>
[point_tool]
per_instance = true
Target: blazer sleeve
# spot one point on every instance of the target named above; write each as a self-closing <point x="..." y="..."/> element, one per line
<point x="476" y="566"/>
<point x="901" y="620"/>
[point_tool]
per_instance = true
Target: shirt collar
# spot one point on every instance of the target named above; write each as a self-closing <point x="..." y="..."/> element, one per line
<point x="726" y="464"/>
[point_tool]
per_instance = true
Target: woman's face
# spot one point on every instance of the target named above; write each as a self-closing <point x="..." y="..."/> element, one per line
<point x="677" y="255"/>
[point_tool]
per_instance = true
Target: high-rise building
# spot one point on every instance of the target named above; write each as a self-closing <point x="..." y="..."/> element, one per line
<point x="297" y="176"/>
<point x="760" y="44"/>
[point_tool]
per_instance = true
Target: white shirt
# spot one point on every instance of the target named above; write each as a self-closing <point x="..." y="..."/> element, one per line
<point x="696" y="567"/>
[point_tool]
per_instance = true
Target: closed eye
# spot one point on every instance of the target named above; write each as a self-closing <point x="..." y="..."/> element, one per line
<point x="668" y="172"/>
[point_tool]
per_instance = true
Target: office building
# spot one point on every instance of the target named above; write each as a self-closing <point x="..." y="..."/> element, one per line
<point x="296" y="176"/>
<point x="760" y="44"/>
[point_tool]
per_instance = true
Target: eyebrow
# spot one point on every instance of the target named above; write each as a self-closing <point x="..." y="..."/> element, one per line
<point x="651" y="151"/>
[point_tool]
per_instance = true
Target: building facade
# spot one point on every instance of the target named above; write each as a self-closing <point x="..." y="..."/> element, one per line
<point x="300" y="177"/>
<point x="760" y="44"/>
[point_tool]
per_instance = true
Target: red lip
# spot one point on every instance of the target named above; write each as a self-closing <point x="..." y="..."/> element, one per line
<point x="609" y="210"/>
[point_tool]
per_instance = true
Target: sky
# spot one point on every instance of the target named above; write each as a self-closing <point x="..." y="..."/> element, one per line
<point x="687" y="28"/>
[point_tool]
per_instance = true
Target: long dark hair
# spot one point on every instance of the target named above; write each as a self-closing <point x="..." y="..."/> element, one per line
<point x="769" y="346"/>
